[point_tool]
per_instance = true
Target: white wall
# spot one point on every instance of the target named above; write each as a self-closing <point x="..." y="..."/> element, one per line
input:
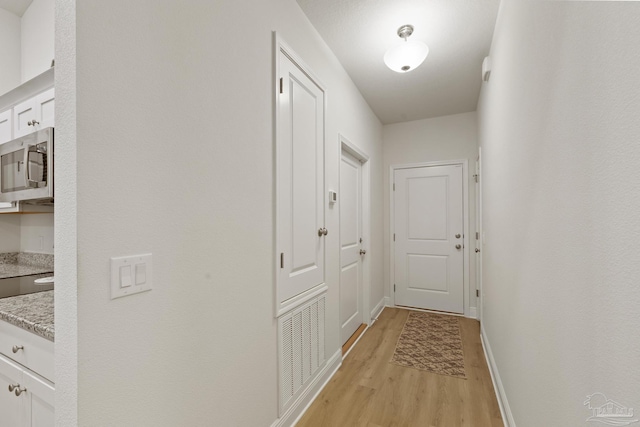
<point x="36" y="233"/>
<point x="191" y="105"/>
<point x="10" y="232"/>
<point x="37" y="34"/>
<point x="442" y="138"/>
<point x="559" y="132"/>
<point x="9" y="51"/>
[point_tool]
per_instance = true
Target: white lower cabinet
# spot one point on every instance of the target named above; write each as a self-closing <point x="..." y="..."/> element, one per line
<point x="26" y="400"/>
<point x="27" y="394"/>
<point x="12" y="407"/>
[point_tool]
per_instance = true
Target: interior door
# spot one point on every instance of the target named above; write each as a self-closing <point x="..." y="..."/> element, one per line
<point x="351" y="310"/>
<point x="300" y="181"/>
<point x="428" y="227"/>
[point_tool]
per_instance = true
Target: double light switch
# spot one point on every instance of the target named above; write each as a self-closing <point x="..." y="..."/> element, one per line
<point x="130" y="275"/>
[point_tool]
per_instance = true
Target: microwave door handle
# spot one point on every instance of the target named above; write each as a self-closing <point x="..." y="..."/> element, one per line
<point x="25" y="164"/>
<point x="27" y="169"/>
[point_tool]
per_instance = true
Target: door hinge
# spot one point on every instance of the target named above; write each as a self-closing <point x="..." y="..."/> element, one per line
<point x="394" y="287"/>
<point x="282" y="260"/>
<point x="475" y="176"/>
<point x="281" y="85"/>
<point x="394" y="186"/>
<point x="477" y="235"/>
<point x="394" y="237"/>
<point x="477" y="293"/>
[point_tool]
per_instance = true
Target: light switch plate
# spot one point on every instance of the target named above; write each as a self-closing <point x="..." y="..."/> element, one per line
<point x="131" y="287"/>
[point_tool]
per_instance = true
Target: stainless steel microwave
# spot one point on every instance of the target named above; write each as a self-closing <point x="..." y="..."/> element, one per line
<point x="26" y="167"/>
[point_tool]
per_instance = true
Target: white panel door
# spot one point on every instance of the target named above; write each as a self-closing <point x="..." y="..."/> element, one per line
<point x="428" y="226"/>
<point x="6" y="126"/>
<point x="351" y="314"/>
<point x="300" y="175"/>
<point x="12" y="407"/>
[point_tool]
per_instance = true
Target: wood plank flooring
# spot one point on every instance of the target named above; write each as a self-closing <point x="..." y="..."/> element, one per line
<point x="369" y="391"/>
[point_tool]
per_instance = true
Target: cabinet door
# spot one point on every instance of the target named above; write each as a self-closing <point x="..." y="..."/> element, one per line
<point x="39" y="109"/>
<point x="12" y="407"/>
<point x="45" y="103"/>
<point x="41" y="400"/>
<point x="300" y="175"/>
<point x="6" y="126"/>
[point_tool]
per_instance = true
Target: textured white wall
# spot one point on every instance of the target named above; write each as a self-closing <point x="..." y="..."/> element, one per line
<point x="559" y="132"/>
<point x="36" y="233"/>
<point x="37" y="35"/>
<point x="9" y="51"/>
<point x="190" y="103"/>
<point x="442" y="138"/>
<point x="10" y="233"/>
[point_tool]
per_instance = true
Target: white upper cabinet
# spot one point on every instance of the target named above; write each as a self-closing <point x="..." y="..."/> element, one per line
<point x="34" y="114"/>
<point x="300" y="181"/>
<point x="6" y="126"/>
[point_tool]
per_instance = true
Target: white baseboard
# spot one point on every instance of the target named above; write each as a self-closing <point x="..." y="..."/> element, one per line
<point x="505" y="410"/>
<point x="297" y="410"/>
<point x="473" y="313"/>
<point x="387" y="302"/>
<point x="377" y="309"/>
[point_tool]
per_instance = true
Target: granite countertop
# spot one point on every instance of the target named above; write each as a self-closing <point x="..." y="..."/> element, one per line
<point x="17" y="264"/>
<point x="32" y="312"/>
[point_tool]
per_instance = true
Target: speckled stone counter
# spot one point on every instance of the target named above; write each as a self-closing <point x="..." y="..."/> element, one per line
<point x="32" y="312"/>
<point x="17" y="264"/>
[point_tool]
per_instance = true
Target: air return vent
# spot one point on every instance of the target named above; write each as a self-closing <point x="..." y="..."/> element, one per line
<point x="301" y="347"/>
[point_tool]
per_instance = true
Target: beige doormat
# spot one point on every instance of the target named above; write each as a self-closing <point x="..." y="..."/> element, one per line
<point x="431" y="342"/>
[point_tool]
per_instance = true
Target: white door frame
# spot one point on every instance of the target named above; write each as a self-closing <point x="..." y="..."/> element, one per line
<point x="359" y="154"/>
<point x="480" y="241"/>
<point x="465" y="203"/>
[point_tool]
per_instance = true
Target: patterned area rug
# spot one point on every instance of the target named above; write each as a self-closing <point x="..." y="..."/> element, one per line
<point x="431" y="342"/>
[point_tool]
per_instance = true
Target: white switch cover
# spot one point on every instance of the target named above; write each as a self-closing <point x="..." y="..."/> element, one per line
<point x="131" y="275"/>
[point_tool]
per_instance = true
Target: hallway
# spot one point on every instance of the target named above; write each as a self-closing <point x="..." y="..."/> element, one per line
<point x="369" y="391"/>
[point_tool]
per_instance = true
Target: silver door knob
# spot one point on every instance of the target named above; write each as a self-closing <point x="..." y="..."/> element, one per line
<point x="17" y="348"/>
<point x="457" y="236"/>
<point x="477" y="250"/>
<point x="362" y="252"/>
<point x="33" y="122"/>
<point x="19" y="390"/>
<point x="322" y="232"/>
<point x="458" y="246"/>
<point x="13" y="387"/>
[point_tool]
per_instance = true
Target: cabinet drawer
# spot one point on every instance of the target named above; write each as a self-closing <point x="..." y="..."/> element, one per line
<point x="37" y="353"/>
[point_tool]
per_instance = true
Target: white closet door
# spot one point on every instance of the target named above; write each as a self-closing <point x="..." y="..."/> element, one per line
<point x="300" y="181"/>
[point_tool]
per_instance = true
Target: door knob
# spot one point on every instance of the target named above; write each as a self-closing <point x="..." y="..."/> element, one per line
<point x="322" y="232"/>
<point x="362" y="252"/>
<point x="477" y="250"/>
<point x="13" y="387"/>
<point x="33" y="122"/>
<point x="458" y="246"/>
<point x="17" y="348"/>
<point x="19" y="390"/>
<point x="457" y="236"/>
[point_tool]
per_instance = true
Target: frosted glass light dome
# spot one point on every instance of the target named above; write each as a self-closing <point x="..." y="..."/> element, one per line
<point x="408" y="55"/>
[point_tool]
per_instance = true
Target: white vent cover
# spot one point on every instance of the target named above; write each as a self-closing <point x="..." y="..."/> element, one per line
<point x="301" y="349"/>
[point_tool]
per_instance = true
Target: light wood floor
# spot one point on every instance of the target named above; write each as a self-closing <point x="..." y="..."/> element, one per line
<point x="369" y="391"/>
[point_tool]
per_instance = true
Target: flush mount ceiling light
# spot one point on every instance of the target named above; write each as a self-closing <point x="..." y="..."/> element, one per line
<point x="408" y="55"/>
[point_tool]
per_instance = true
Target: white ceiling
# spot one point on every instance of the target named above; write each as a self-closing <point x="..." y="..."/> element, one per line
<point x="458" y="33"/>
<point x="17" y="7"/>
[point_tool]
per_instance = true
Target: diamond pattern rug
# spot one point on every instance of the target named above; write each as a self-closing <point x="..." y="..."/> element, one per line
<point x="431" y="342"/>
